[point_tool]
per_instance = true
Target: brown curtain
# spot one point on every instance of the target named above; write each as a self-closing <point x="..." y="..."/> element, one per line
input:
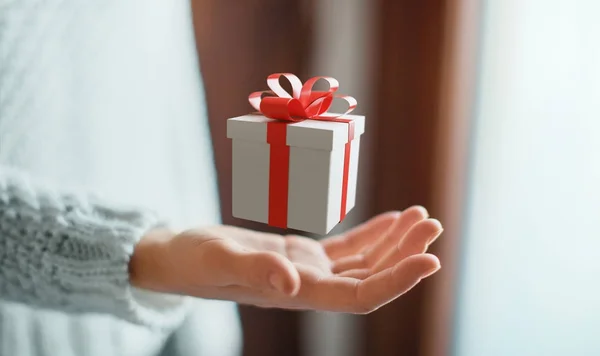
<point x="425" y="66"/>
<point x="240" y="43"/>
<point x="424" y="69"/>
<point x="410" y="39"/>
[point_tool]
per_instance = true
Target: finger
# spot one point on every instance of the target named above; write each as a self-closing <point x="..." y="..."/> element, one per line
<point x="409" y="217"/>
<point x="348" y="263"/>
<point x="388" y="241"/>
<point x="356" y="273"/>
<point x="385" y="286"/>
<point x="351" y="295"/>
<point x="416" y="241"/>
<point x="230" y="264"/>
<point x="355" y="240"/>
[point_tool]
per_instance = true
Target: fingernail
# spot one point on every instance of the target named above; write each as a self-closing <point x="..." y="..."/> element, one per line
<point x="434" y="237"/>
<point x="432" y="271"/>
<point x="277" y="282"/>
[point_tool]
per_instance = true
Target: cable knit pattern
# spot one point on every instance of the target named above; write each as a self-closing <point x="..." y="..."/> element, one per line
<point x="105" y="96"/>
<point x="70" y="251"/>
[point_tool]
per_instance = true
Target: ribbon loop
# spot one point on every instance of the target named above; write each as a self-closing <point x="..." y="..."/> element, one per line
<point x="307" y="89"/>
<point x="331" y="117"/>
<point x="256" y="98"/>
<point x="286" y="109"/>
<point x="304" y="103"/>
<point x="275" y="85"/>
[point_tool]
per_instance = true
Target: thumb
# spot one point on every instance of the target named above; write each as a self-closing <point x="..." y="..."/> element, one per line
<point x="266" y="270"/>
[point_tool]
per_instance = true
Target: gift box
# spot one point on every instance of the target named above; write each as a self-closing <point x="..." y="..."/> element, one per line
<point x="294" y="164"/>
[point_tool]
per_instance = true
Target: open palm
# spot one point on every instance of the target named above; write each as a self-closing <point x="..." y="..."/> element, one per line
<point x="356" y="272"/>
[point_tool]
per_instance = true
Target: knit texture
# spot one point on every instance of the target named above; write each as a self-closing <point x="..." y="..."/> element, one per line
<point x="70" y="251"/>
<point x="101" y="97"/>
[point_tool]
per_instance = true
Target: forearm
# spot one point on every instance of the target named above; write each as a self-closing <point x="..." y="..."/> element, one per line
<point x="71" y="252"/>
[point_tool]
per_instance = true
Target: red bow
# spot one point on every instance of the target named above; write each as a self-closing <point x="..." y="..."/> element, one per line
<point x="303" y="104"/>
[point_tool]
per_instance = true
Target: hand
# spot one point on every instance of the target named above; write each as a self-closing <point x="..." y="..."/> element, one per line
<point x="356" y="272"/>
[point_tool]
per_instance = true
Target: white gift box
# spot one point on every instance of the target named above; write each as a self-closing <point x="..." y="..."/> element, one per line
<point x="318" y="171"/>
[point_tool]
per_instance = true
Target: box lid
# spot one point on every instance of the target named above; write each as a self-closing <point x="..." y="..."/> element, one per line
<point x="316" y="134"/>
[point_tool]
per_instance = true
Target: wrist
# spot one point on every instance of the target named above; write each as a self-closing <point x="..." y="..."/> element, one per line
<point x="149" y="266"/>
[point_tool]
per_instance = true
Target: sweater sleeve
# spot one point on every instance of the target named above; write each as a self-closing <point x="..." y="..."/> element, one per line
<point x="69" y="251"/>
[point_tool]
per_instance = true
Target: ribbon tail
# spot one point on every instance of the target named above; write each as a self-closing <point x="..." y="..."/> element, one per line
<point x="332" y="117"/>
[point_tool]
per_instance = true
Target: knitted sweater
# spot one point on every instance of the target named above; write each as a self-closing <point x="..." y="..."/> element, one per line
<point x="103" y="136"/>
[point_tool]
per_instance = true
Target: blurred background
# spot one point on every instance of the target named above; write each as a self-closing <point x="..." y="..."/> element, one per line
<point x="485" y="112"/>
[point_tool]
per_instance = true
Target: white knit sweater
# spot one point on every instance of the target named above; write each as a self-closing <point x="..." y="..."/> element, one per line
<point x="103" y="135"/>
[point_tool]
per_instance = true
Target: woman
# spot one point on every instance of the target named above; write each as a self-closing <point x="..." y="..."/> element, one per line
<point x="108" y="202"/>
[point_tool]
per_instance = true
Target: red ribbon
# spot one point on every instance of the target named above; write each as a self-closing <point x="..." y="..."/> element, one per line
<point x="302" y="104"/>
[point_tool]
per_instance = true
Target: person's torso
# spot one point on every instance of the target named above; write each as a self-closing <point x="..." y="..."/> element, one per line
<point x="105" y="95"/>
